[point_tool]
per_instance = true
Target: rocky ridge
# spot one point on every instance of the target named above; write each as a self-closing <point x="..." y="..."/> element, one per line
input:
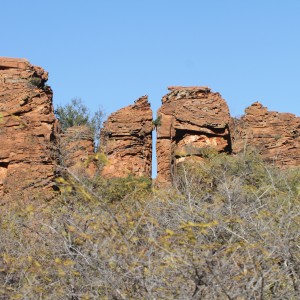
<point x="190" y="122"/>
<point x="275" y="135"/>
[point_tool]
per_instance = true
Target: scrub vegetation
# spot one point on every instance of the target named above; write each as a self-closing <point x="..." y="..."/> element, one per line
<point x="227" y="229"/>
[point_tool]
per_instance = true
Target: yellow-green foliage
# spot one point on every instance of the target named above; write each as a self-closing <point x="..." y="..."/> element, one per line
<point x="116" y="189"/>
<point x="229" y="229"/>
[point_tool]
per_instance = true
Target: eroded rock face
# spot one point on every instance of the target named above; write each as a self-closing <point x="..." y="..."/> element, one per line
<point x="77" y="151"/>
<point x="275" y="135"/>
<point x="26" y="129"/>
<point x="126" y="139"/>
<point x="190" y="120"/>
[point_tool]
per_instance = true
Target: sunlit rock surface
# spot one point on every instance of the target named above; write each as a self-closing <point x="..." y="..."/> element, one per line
<point x="190" y="121"/>
<point x="26" y="129"/>
<point x="275" y="135"/>
<point x="126" y="139"/>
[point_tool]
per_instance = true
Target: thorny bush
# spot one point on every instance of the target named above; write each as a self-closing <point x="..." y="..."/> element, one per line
<point x="229" y="229"/>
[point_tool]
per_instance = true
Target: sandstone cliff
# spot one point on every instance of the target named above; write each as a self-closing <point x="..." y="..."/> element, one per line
<point x="275" y="135"/>
<point x="26" y="129"/>
<point x="126" y="139"/>
<point x="190" y="120"/>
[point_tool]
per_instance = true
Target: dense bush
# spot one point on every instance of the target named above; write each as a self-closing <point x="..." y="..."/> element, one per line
<point x="229" y="229"/>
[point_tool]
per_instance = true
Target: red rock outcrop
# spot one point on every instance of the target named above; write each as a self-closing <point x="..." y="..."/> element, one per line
<point x="190" y="120"/>
<point x="126" y="139"/>
<point x="77" y="151"/>
<point x="26" y="128"/>
<point x="275" y="135"/>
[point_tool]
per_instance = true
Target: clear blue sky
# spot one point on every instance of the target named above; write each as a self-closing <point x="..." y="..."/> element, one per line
<point x="111" y="52"/>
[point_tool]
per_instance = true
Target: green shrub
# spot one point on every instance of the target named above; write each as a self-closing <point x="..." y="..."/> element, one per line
<point x="117" y="189"/>
<point x="35" y="82"/>
<point x="157" y="121"/>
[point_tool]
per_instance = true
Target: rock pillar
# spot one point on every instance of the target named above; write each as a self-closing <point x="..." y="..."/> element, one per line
<point x="190" y="122"/>
<point x="126" y="139"/>
<point x="26" y="129"/>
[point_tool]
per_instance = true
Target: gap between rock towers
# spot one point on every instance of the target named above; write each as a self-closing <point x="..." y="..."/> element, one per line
<point x="190" y="122"/>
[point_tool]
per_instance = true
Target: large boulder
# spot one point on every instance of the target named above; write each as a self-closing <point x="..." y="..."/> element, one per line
<point x="190" y="122"/>
<point x="126" y="139"/>
<point x="27" y="127"/>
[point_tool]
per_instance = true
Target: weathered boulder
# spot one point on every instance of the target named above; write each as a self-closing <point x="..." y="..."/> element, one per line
<point x="26" y="128"/>
<point x="190" y="121"/>
<point x="275" y="135"/>
<point x="76" y="151"/>
<point x="126" y="139"/>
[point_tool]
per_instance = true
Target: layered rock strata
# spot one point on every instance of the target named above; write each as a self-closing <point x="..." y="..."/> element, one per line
<point x="26" y="129"/>
<point x="76" y="151"/>
<point x="191" y="121"/>
<point x="275" y="135"/>
<point x="126" y="139"/>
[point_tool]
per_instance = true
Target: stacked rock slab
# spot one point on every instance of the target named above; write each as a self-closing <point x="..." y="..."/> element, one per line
<point x="190" y="120"/>
<point x="77" y="151"/>
<point x="126" y="139"/>
<point x="26" y="128"/>
<point x="275" y="135"/>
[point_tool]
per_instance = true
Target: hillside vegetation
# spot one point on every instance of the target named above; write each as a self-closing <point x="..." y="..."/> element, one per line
<point x="227" y="229"/>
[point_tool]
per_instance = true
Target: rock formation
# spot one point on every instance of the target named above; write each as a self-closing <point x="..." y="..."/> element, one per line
<point x="26" y="128"/>
<point x="275" y="135"/>
<point x="76" y="149"/>
<point x="126" y="139"/>
<point x="190" y="120"/>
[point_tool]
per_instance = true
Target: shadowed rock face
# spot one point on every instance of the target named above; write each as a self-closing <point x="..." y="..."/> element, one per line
<point x="190" y="120"/>
<point x="275" y="135"/>
<point x="26" y="128"/>
<point x="126" y="139"/>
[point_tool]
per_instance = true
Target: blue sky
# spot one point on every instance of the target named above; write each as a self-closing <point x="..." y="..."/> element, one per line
<point x="111" y="52"/>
